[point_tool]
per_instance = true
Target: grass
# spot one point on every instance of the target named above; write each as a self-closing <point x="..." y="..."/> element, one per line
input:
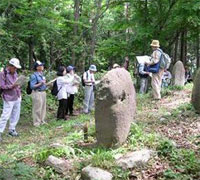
<point x="24" y="157"/>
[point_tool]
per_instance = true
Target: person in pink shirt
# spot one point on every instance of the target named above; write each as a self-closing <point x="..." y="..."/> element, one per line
<point x="11" y="95"/>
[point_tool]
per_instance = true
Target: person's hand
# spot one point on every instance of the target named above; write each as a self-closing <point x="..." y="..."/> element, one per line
<point x="15" y="86"/>
<point x="43" y="82"/>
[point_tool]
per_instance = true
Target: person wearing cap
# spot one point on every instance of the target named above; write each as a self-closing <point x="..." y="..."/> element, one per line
<point x="89" y="80"/>
<point x="38" y="85"/>
<point x="11" y="95"/>
<point x="156" y="80"/>
<point x="72" y="89"/>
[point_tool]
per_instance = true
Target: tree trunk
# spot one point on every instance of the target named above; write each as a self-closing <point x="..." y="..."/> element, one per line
<point x="94" y="30"/>
<point x="31" y="47"/>
<point x="76" y="19"/>
<point x="51" y="59"/>
<point x="197" y="50"/>
<point x="176" y="50"/>
<point x="183" y="55"/>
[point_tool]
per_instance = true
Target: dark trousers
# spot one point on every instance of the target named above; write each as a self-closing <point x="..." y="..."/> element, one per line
<point x="62" y="109"/>
<point x="70" y="104"/>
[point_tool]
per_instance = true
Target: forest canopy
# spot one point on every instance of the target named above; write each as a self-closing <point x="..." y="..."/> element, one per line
<point x="81" y="32"/>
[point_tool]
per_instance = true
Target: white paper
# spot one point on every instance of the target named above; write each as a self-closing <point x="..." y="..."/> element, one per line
<point x="143" y="59"/>
<point x="50" y="82"/>
<point x="20" y="80"/>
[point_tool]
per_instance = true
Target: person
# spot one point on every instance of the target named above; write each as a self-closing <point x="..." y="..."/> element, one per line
<point x="62" y="95"/>
<point x="126" y="63"/>
<point x="38" y="85"/>
<point x="89" y="80"/>
<point x="11" y="95"/>
<point x="115" y="66"/>
<point x="156" y="79"/>
<point x="144" y="74"/>
<point x="166" y="78"/>
<point x="72" y="89"/>
<point x="188" y="75"/>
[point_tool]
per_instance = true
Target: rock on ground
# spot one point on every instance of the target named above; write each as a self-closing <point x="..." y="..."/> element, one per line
<point x="178" y="74"/>
<point x="195" y="92"/>
<point x="134" y="159"/>
<point x="115" y="107"/>
<point x="93" y="173"/>
<point x="60" y="165"/>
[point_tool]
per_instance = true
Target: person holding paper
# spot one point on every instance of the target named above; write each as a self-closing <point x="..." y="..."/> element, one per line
<point x="89" y="80"/>
<point x="156" y="79"/>
<point x="144" y="74"/>
<point x="11" y="95"/>
<point x="38" y="85"/>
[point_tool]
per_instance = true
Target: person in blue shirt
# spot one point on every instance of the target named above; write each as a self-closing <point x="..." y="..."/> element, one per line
<point x="38" y="86"/>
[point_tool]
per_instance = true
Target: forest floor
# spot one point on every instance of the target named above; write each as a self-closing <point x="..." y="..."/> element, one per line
<point x="169" y="127"/>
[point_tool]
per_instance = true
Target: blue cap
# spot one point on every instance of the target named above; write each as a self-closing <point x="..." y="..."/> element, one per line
<point x="70" y="68"/>
<point x="38" y="63"/>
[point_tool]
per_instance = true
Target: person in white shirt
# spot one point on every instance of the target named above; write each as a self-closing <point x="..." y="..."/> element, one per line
<point x="72" y="89"/>
<point x="62" y="82"/>
<point x="89" y="80"/>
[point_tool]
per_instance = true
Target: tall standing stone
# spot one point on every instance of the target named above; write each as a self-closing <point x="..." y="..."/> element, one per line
<point x="195" y="92"/>
<point x="115" y="107"/>
<point x="178" y="74"/>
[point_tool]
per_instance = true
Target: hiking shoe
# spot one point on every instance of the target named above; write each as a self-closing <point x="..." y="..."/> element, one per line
<point x="13" y="133"/>
<point x="73" y="114"/>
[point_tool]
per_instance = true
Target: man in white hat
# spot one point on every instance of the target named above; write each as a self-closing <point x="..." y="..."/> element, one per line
<point x="156" y="80"/>
<point x="11" y="95"/>
<point x="89" y="81"/>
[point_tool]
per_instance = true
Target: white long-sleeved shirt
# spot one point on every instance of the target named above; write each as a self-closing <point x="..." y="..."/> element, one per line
<point x="62" y="83"/>
<point x="72" y="87"/>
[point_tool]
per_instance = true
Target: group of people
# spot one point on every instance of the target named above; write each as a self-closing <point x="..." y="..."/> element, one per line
<point x="67" y="84"/>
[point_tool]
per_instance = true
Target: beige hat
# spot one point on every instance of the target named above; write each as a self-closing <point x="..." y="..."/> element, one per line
<point x="155" y="43"/>
<point x="15" y="62"/>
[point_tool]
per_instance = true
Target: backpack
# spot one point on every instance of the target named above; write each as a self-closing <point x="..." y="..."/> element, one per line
<point x="54" y="90"/>
<point x="82" y="80"/>
<point x="28" y="88"/>
<point x="5" y="74"/>
<point x="165" y="60"/>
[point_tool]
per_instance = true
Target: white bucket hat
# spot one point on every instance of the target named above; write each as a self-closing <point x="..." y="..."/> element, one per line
<point x="15" y="62"/>
<point x="93" y="68"/>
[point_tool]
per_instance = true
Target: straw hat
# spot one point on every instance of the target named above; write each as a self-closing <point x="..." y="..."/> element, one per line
<point x="155" y="43"/>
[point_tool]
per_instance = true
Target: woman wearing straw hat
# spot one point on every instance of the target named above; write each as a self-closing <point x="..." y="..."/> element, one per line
<point x="156" y="80"/>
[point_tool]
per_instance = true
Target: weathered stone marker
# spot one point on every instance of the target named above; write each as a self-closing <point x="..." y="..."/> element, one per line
<point x="115" y="107"/>
<point x="178" y="74"/>
<point x="195" y="92"/>
<point x="93" y="173"/>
